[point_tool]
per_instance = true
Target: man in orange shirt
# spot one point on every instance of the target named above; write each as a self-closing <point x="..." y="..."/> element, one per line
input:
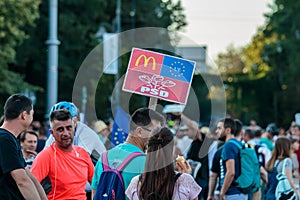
<point x="69" y="167"/>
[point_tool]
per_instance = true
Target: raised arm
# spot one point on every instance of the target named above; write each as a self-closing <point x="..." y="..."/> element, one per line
<point x="190" y="123"/>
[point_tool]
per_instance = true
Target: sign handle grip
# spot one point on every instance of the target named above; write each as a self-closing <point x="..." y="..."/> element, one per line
<point x="152" y="103"/>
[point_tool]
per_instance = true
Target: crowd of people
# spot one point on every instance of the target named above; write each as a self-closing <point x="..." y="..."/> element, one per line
<point x="77" y="161"/>
<point x="221" y="163"/>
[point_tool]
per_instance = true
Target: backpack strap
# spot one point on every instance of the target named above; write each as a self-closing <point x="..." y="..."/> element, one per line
<point x="104" y="159"/>
<point x="177" y="176"/>
<point x="128" y="159"/>
<point x="233" y="142"/>
<point x="236" y="143"/>
<point x="277" y="164"/>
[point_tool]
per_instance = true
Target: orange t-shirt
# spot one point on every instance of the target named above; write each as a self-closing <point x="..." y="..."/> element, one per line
<point x="68" y="171"/>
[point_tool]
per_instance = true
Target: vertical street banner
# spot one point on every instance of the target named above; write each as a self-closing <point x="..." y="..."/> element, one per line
<point x="159" y="75"/>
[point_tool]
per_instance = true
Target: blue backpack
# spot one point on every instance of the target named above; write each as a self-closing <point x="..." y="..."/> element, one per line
<point x="272" y="183"/>
<point x="111" y="184"/>
<point x="283" y="189"/>
<point x="249" y="179"/>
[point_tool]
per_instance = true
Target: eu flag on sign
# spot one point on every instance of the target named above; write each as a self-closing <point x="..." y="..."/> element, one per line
<point x="120" y="128"/>
<point x="177" y="68"/>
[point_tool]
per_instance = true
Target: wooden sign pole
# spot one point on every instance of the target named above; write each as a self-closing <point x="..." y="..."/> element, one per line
<point x="152" y="103"/>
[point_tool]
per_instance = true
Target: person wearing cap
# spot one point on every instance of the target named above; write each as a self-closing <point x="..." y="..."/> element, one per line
<point x="269" y="136"/>
<point x="103" y="132"/>
<point x="84" y="137"/>
<point x="68" y="167"/>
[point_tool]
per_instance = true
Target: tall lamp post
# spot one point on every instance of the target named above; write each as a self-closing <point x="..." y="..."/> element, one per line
<point x="118" y="30"/>
<point x="52" y="56"/>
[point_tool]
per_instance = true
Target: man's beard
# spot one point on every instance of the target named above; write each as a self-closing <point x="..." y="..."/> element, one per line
<point x="222" y="137"/>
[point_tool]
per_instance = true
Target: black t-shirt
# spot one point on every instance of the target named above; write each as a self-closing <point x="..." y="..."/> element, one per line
<point x="11" y="158"/>
<point x="217" y="162"/>
<point x="199" y="152"/>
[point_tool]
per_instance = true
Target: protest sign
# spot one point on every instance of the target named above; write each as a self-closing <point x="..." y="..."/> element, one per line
<point x="159" y="75"/>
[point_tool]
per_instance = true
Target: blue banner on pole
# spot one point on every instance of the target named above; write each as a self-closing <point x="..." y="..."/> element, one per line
<point x="121" y="127"/>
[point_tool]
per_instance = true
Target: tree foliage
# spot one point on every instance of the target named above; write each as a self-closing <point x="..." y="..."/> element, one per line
<point x="262" y="77"/>
<point x="283" y="56"/>
<point x="15" y="17"/>
<point x="78" y="23"/>
<point x="255" y="65"/>
<point x="231" y="64"/>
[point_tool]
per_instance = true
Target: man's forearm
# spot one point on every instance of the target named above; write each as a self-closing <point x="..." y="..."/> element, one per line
<point x="28" y="190"/>
<point x="227" y="182"/>
<point x="38" y="186"/>
<point x="212" y="184"/>
<point x="25" y="185"/>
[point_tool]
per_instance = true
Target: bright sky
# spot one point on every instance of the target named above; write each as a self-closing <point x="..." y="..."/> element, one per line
<point x="217" y="23"/>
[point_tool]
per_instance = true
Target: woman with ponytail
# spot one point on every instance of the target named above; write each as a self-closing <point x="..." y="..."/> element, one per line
<point x="160" y="181"/>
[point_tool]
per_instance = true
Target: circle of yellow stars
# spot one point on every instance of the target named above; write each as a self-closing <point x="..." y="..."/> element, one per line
<point x="179" y="70"/>
<point x="116" y="138"/>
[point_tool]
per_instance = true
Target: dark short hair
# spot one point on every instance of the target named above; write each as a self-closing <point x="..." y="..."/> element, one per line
<point x="229" y="123"/>
<point x="272" y="129"/>
<point x="60" y="115"/>
<point x="296" y="126"/>
<point x="22" y="136"/>
<point x="257" y="133"/>
<point x="294" y="139"/>
<point x="15" y="105"/>
<point x="143" y="117"/>
<point x="238" y="127"/>
<point x="250" y="133"/>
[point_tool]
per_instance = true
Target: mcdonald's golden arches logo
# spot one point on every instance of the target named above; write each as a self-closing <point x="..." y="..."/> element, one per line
<point x="146" y="61"/>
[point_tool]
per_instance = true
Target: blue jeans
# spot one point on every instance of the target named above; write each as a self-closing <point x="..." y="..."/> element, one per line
<point x="237" y="197"/>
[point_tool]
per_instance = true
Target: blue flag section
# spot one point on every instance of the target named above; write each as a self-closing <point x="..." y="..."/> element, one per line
<point x="121" y="127"/>
<point x="177" y="68"/>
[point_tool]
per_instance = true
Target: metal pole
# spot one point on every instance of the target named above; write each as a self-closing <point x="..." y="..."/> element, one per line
<point x="133" y="13"/>
<point x="52" y="56"/>
<point x="84" y="99"/>
<point x="118" y="22"/>
<point x="152" y="103"/>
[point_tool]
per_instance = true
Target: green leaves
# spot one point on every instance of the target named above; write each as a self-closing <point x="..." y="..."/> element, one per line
<point x="78" y="23"/>
<point x="267" y="69"/>
<point x="15" y="17"/>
